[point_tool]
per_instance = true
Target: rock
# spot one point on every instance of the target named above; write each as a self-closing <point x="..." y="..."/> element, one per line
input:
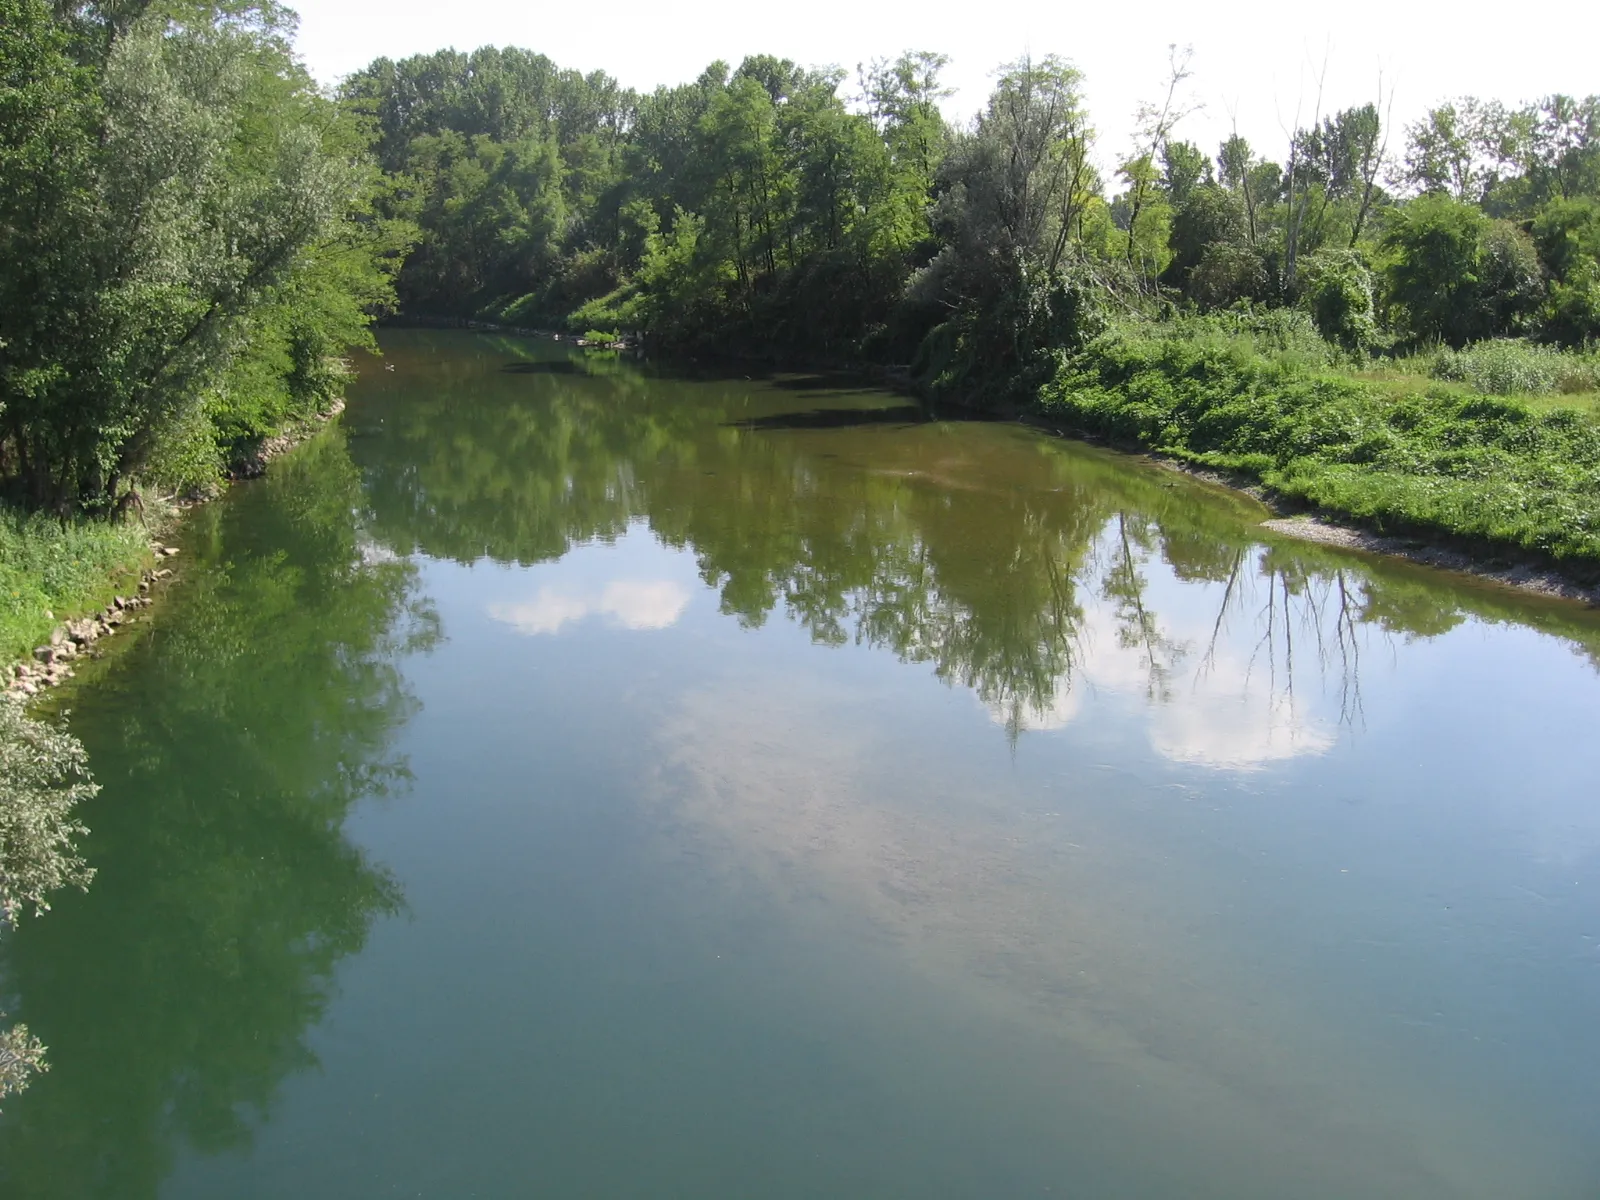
<point x="144" y="585"/>
<point x="58" y="635"/>
<point x="114" y="617"/>
<point x="164" y="573"/>
<point x="44" y="653"/>
<point x="65" y="651"/>
<point x="119" y="602"/>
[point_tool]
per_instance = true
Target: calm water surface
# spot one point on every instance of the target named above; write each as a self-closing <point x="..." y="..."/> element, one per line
<point x="564" y="779"/>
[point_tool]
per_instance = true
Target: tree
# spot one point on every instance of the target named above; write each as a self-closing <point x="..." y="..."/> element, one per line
<point x="1567" y="234"/>
<point x="163" y="198"/>
<point x="1156" y="123"/>
<point x="1457" y="274"/>
<point x="1336" y="288"/>
<point x="1183" y="168"/>
<point x="1456" y="148"/>
<point x="1014" y="193"/>
<point x="1213" y="257"/>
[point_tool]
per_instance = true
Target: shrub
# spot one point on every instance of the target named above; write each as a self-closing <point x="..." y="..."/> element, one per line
<point x="1336" y="289"/>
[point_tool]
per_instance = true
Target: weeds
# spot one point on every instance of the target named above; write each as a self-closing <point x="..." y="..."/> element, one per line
<point x="1512" y="367"/>
<point x="51" y="570"/>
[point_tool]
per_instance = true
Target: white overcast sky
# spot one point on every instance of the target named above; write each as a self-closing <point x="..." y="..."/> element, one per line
<point x="1254" y="62"/>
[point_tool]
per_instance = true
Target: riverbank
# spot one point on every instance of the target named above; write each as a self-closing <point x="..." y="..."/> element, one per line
<point x="53" y="571"/>
<point x="1306" y="430"/>
<point x="1495" y="485"/>
<point x="66" y="585"/>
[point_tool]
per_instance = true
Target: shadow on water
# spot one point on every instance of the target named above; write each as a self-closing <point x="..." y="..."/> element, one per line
<point x="836" y="418"/>
<point x="841" y="385"/>
<point x="560" y="366"/>
<point x="232" y="740"/>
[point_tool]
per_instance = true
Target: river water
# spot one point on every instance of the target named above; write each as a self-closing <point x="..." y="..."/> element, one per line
<point x="567" y="778"/>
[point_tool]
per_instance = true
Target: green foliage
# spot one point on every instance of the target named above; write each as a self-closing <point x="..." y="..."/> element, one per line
<point x="1337" y="289"/>
<point x="184" y="230"/>
<point x="21" y="1057"/>
<point x="1511" y="367"/>
<point x="1439" y="462"/>
<point x="1512" y="162"/>
<point x="1567" y="234"/>
<point x="1015" y="194"/>
<point x="752" y="211"/>
<point x="1458" y="275"/>
<point x="43" y="778"/>
<point x="53" y="570"/>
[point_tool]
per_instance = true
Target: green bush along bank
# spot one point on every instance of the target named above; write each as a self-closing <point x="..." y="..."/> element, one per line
<point x="1435" y="460"/>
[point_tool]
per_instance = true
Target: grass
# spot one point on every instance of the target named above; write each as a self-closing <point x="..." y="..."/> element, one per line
<point x="1401" y="453"/>
<point x="52" y="571"/>
<point x="1406" y="378"/>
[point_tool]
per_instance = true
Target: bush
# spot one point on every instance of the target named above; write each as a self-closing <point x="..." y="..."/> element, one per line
<point x="1282" y="336"/>
<point x="1336" y="289"/>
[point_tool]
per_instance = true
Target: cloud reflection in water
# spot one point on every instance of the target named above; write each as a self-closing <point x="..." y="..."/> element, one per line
<point x="1224" y="712"/>
<point x="630" y="604"/>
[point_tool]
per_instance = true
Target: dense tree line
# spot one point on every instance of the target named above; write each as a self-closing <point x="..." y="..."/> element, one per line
<point x="187" y="242"/>
<point x="787" y="211"/>
<point x="192" y="234"/>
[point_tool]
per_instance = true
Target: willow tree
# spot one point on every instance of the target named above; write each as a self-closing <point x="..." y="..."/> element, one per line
<point x="1014" y="188"/>
<point x="164" y="172"/>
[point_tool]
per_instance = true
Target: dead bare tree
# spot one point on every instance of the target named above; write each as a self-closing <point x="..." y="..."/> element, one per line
<point x="1155" y="126"/>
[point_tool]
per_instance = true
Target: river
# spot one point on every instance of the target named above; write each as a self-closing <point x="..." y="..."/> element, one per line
<point x="566" y="777"/>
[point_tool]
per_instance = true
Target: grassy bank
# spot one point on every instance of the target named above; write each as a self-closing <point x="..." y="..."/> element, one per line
<point x="51" y="571"/>
<point x="1416" y="447"/>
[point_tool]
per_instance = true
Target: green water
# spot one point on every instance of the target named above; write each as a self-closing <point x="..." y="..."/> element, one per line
<point x="566" y="779"/>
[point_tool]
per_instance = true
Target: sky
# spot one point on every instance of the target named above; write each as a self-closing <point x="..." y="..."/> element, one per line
<point x="1255" y="64"/>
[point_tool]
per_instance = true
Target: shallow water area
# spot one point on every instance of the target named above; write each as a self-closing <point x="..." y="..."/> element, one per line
<point x="566" y="776"/>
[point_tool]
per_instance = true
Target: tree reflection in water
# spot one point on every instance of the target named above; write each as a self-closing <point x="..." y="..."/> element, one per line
<point x="984" y="552"/>
<point x="232" y="741"/>
<point x="234" y="737"/>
